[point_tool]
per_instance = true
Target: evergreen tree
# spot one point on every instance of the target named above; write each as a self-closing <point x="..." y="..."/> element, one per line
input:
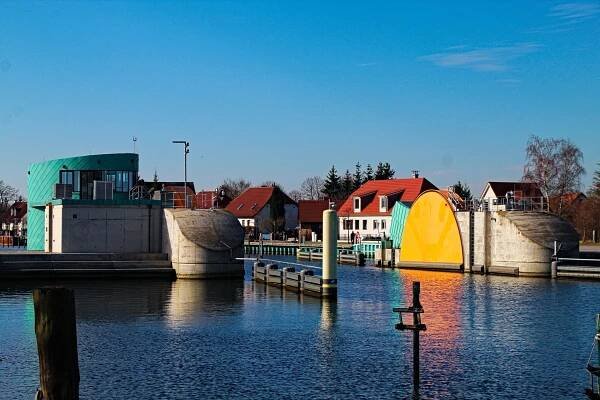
<point x="595" y="189"/>
<point x="368" y="174"/>
<point x="347" y="185"/>
<point x="384" y="171"/>
<point x="463" y="190"/>
<point x="332" y="186"/>
<point x="358" y="177"/>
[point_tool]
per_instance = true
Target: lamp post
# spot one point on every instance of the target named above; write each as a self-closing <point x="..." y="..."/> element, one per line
<point x="186" y="150"/>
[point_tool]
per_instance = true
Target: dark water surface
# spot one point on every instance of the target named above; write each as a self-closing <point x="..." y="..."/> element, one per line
<point x="487" y="337"/>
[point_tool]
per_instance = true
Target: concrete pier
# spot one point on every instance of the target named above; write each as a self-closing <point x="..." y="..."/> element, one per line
<point x="330" y="254"/>
<point x="36" y="264"/>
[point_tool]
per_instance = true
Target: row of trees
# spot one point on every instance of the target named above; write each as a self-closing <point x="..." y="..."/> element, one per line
<point x="338" y="187"/>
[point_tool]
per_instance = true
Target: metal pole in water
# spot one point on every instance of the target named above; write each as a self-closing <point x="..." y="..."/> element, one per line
<point x="416" y="309"/>
<point x="330" y="227"/>
<point x="416" y="356"/>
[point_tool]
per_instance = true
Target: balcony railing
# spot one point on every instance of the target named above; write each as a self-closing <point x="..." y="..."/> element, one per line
<point x="533" y="204"/>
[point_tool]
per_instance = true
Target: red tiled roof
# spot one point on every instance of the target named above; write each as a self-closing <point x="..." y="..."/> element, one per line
<point x="311" y="211"/>
<point x="404" y="190"/>
<point x="250" y="201"/>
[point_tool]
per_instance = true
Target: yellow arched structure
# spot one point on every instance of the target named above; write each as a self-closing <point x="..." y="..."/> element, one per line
<point x="431" y="233"/>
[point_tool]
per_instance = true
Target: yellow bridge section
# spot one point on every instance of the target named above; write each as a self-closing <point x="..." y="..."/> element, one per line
<point x="431" y="234"/>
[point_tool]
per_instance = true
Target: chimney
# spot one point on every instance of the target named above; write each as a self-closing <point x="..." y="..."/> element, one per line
<point x="415" y="173"/>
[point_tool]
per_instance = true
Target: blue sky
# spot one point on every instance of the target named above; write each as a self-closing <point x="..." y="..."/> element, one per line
<point x="282" y="90"/>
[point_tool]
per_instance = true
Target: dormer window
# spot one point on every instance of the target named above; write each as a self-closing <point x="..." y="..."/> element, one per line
<point x="357" y="204"/>
<point x="383" y="203"/>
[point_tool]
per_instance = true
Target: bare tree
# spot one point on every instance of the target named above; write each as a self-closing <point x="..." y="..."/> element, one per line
<point x="233" y="188"/>
<point x="555" y="165"/>
<point x="312" y="188"/>
<point x="7" y="194"/>
<point x="295" y="195"/>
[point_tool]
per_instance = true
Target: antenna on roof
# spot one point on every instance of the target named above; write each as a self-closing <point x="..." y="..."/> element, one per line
<point x="134" y="140"/>
<point x="415" y="173"/>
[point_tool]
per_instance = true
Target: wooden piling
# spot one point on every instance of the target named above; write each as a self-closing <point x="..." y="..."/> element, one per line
<point x="56" y="336"/>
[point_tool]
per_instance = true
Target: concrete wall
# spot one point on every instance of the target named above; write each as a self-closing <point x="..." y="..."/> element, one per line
<point x="102" y="229"/>
<point x="501" y="245"/>
<point x="203" y="243"/>
<point x="463" y="225"/>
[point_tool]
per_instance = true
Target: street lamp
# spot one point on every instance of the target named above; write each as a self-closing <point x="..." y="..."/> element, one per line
<point x="186" y="150"/>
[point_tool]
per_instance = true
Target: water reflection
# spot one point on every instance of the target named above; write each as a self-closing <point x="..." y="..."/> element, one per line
<point x="104" y="300"/>
<point x="192" y="300"/>
<point x="328" y="315"/>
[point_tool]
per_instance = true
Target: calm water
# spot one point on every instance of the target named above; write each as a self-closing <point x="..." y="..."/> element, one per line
<point x="487" y="337"/>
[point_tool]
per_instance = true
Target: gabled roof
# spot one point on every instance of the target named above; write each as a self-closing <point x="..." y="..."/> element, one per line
<point x="405" y="190"/>
<point x="21" y="211"/>
<point x="519" y="189"/>
<point x="311" y="211"/>
<point x="250" y="201"/>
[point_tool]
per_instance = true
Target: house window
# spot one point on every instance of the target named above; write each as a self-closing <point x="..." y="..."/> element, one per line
<point x="357" y="204"/>
<point x="383" y="203"/>
<point x="364" y="224"/>
<point x="243" y="222"/>
<point x="375" y="224"/>
<point x="383" y="224"/>
<point x="356" y="224"/>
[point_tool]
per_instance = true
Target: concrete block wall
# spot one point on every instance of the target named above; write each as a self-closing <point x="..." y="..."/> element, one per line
<point x="464" y="222"/>
<point x="481" y="234"/>
<point x="103" y="229"/>
<point x="499" y="244"/>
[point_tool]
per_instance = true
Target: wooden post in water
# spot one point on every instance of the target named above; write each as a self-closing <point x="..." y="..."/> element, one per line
<point x="57" y="343"/>
<point x="416" y="309"/>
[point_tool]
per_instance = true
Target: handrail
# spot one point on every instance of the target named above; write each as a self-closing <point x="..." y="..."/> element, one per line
<point x="277" y="262"/>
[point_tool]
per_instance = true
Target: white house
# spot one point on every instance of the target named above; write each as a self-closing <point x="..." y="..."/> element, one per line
<point x="368" y="210"/>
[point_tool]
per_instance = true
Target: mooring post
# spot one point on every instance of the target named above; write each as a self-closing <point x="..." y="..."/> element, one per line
<point x="416" y="356"/>
<point x="330" y="228"/>
<point x="416" y="310"/>
<point x="56" y="336"/>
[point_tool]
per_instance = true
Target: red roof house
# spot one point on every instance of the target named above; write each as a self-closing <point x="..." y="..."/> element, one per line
<point x="368" y="210"/>
<point x="370" y="193"/>
<point x="265" y="208"/>
<point x="311" y="211"/>
<point x="13" y="219"/>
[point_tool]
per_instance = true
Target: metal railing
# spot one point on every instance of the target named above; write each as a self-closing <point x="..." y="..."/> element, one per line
<point x="176" y="200"/>
<point x="533" y="204"/>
